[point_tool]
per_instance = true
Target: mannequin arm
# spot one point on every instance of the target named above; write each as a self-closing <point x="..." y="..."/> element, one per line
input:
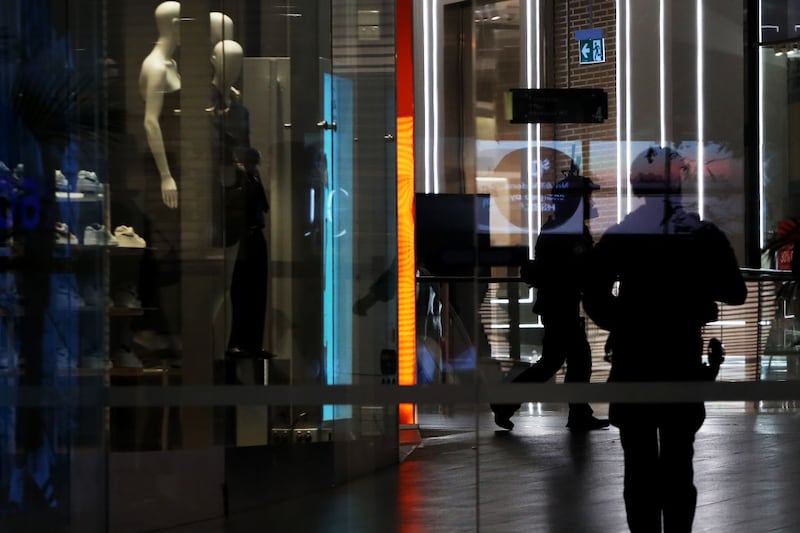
<point x="154" y="101"/>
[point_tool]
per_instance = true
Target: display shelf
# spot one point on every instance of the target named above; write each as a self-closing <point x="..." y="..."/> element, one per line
<point x="78" y="197"/>
<point x="129" y="250"/>
<point x="115" y="311"/>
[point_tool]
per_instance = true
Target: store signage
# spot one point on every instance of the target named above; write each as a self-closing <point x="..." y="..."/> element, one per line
<point x="591" y="46"/>
<point x="558" y="106"/>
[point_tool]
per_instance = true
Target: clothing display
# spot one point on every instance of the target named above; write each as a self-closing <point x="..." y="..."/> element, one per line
<point x="230" y="139"/>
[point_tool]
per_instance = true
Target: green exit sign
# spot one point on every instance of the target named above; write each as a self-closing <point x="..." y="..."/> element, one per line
<point x="592" y="51"/>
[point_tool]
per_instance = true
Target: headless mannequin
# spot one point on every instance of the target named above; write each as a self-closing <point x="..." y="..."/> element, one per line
<point x="159" y="75"/>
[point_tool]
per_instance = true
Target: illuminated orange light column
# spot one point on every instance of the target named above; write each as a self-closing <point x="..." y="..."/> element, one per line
<point x="406" y="261"/>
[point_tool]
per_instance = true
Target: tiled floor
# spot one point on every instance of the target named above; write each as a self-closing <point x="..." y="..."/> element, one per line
<point x="541" y="478"/>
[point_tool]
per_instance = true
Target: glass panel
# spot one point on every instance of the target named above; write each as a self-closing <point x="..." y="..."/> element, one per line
<point x="54" y="203"/>
<point x="780" y="167"/>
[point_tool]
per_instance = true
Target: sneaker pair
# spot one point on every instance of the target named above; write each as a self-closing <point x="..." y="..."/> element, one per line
<point x="88" y="182"/>
<point x="127" y="237"/>
<point x="98" y="235"/>
<point x="62" y="235"/>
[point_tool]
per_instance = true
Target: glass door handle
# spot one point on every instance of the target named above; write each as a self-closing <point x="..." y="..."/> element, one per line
<point x="325" y="125"/>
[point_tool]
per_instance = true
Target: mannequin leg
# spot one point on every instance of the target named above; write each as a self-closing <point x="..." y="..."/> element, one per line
<point x="222" y="314"/>
<point x="249" y="294"/>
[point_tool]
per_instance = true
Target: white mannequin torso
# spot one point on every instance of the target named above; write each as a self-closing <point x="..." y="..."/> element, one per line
<point x="159" y="75"/>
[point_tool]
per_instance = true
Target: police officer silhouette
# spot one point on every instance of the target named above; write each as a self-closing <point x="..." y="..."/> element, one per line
<point x="557" y="271"/>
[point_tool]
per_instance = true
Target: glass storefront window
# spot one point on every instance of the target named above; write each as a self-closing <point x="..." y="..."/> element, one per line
<point x="192" y="195"/>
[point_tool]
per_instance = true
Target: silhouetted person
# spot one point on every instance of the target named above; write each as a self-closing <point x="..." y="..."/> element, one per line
<point x="654" y="282"/>
<point x="557" y="271"/>
<point x="382" y="289"/>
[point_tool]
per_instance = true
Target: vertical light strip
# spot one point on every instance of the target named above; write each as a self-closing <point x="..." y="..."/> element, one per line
<point x="530" y="158"/>
<point x="700" y="114"/>
<point x="435" y="32"/>
<point x="662" y="82"/>
<point x="761" y="214"/>
<point x="538" y="126"/>
<point x="619" y="122"/>
<point x="628" y="104"/>
<point x="426" y="68"/>
<point x="406" y="261"/>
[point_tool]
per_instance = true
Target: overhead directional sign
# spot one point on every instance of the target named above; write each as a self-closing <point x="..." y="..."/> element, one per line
<point x="558" y="106"/>
<point x="591" y="46"/>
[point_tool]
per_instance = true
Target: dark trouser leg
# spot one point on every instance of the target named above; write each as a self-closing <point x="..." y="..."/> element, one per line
<point x="641" y="486"/>
<point x="679" y="496"/>
<point x="579" y="367"/>
<point x="249" y="294"/>
<point x="553" y="356"/>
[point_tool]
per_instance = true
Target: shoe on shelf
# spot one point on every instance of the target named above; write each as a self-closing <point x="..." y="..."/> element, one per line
<point x="97" y="235"/>
<point x="127" y="237"/>
<point x="62" y="235"/>
<point x="503" y="414"/>
<point x="94" y="361"/>
<point x="586" y="423"/>
<point x="125" y="358"/>
<point x="61" y="181"/>
<point x="88" y="182"/>
<point x="127" y="296"/>
<point x="150" y="340"/>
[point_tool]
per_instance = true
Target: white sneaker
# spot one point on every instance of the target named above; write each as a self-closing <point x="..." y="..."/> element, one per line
<point x="62" y="234"/>
<point x="125" y="358"/>
<point x="62" y="184"/>
<point x="98" y="235"/>
<point x="88" y="182"/>
<point x="127" y="237"/>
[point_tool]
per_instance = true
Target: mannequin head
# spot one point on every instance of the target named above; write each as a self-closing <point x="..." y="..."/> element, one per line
<point x="227" y="62"/>
<point x="221" y="27"/>
<point x="168" y="16"/>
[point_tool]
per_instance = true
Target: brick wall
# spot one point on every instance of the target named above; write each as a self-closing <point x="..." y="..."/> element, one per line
<point x="599" y="162"/>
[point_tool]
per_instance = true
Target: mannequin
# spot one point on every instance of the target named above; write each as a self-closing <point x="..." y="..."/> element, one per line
<point x="226" y="60"/>
<point x="230" y="136"/>
<point x="158" y="77"/>
<point x="243" y="212"/>
<point x="160" y="269"/>
<point x="221" y="27"/>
